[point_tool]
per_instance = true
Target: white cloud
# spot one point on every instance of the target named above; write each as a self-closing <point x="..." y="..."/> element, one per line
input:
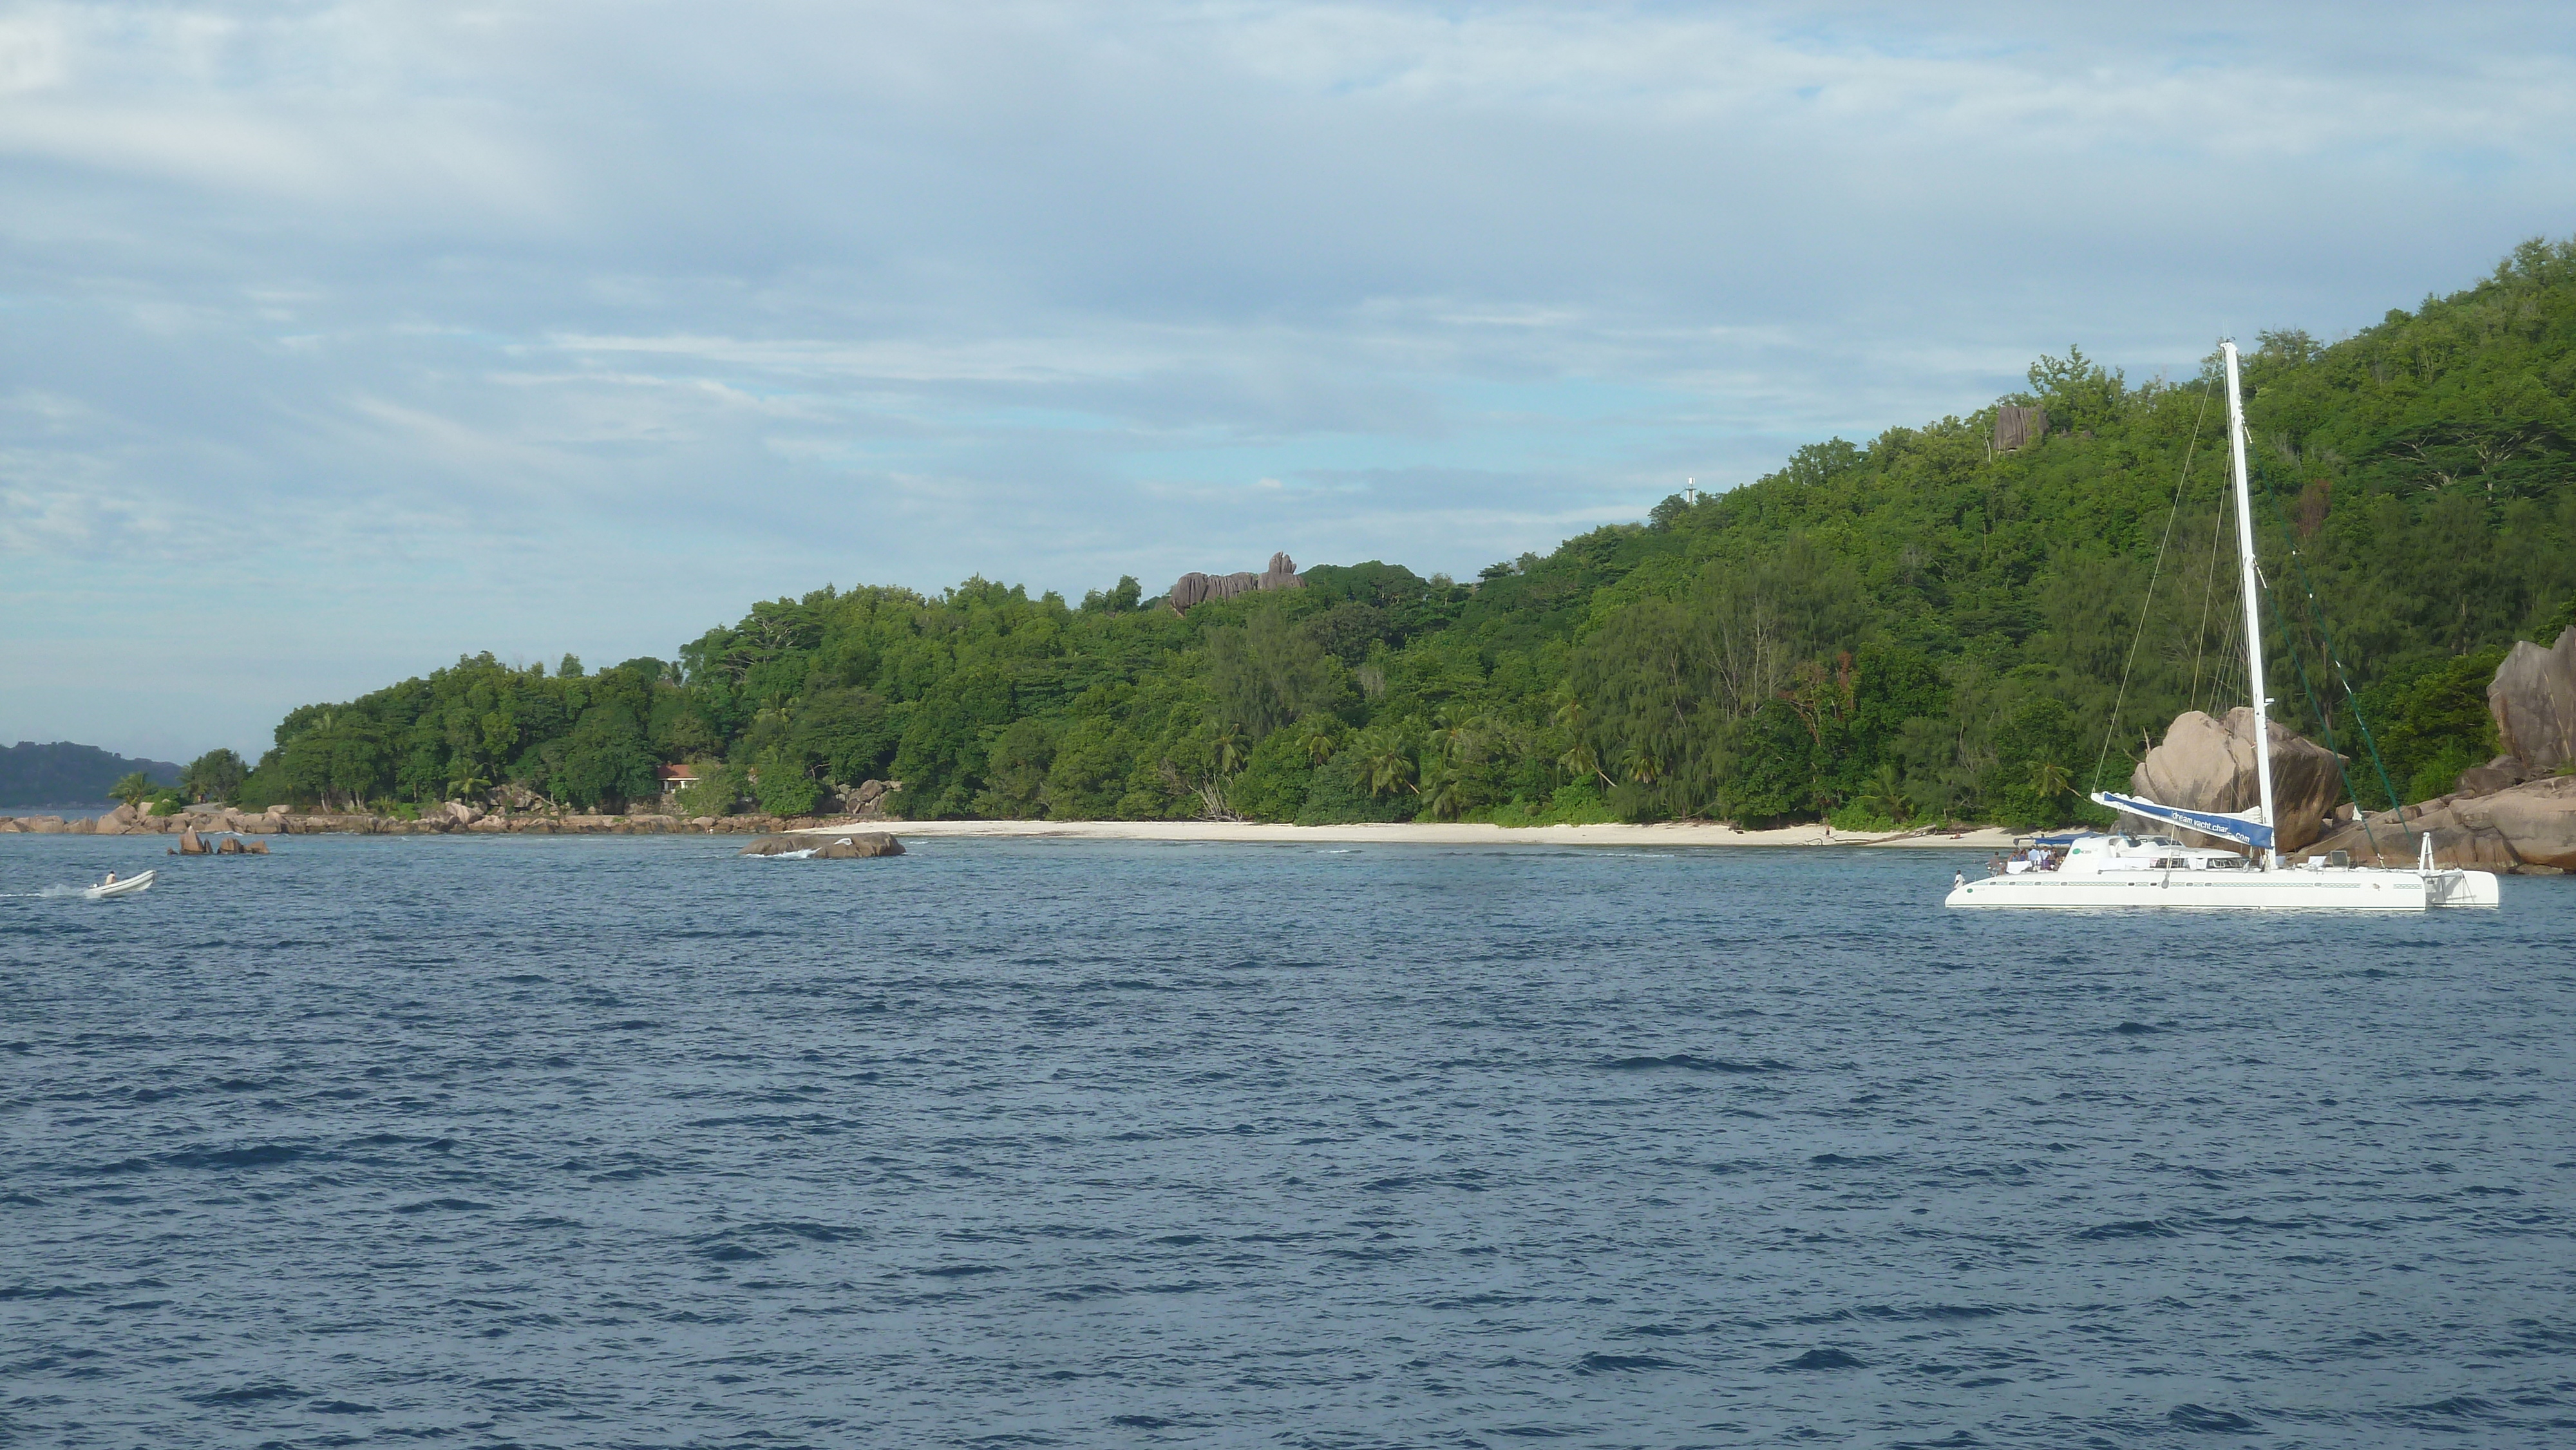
<point x="597" y="321"/>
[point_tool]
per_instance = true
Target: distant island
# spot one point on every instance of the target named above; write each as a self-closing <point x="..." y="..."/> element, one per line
<point x="1976" y="619"/>
<point x="68" y="776"/>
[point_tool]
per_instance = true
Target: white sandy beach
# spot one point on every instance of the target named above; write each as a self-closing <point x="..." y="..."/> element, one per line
<point x="1667" y="834"/>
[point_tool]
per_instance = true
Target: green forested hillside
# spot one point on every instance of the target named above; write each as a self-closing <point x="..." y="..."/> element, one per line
<point x="64" y="774"/>
<point x="1913" y="627"/>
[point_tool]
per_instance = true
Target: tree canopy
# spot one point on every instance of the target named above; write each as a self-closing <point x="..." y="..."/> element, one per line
<point x="1916" y="626"/>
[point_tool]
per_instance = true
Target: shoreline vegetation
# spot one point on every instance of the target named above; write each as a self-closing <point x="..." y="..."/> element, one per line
<point x="1441" y="833"/>
<point x="1978" y="619"/>
<point x="207" y="821"/>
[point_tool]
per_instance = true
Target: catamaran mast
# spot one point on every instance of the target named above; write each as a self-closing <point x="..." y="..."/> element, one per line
<point x="2252" y="589"/>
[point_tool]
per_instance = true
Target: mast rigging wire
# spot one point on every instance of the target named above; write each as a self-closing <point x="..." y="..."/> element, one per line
<point x="2111" y="727"/>
<point x="2334" y="656"/>
<point x="2208" y="594"/>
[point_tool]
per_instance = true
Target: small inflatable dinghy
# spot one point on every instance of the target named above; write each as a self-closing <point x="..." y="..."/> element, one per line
<point x="127" y="887"/>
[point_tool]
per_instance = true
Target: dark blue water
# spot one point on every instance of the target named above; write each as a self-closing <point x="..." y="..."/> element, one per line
<point x="629" y="1142"/>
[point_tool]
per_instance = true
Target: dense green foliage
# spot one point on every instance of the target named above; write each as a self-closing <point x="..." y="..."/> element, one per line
<point x="2433" y="720"/>
<point x="141" y="792"/>
<point x="1914" y="628"/>
<point x="216" y="775"/>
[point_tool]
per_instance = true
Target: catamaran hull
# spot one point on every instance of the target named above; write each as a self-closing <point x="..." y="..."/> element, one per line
<point x="2347" y="890"/>
<point x="2463" y="888"/>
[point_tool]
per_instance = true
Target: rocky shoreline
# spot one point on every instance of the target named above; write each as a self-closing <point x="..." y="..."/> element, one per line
<point x="2527" y="828"/>
<point x="460" y="819"/>
<point x="455" y="819"/>
<point x="2516" y="814"/>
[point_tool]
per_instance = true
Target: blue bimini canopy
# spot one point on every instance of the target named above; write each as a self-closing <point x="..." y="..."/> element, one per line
<point x="2237" y="827"/>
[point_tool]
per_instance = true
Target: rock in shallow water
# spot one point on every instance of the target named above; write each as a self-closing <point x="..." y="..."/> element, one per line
<point x="859" y="847"/>
<point x="854" y="847"/>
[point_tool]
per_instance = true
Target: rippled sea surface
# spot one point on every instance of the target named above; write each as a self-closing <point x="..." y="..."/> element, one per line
<point x="631" y="1142"/>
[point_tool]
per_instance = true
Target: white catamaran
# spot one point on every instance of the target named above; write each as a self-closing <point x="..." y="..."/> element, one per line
<point x="2120" y="869"/>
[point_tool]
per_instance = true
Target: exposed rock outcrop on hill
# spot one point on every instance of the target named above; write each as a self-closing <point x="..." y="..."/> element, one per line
<point x="2533" y="699"/>
<point x="2204" y="765"/>
<point x="866" y="800"/>
<point x="2017" y="426"/>
<point x="1194" y="589"/>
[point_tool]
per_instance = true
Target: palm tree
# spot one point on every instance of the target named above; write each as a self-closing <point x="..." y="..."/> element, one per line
<point x="2048" y="779"/>
<point x="1644" y="767"/>
<point x="1388" y="769"/>
<point x="1581" y="761"/>
<point x="1317" y="743"/>
<point x="1448" y="798"/>
<point x="1450" y="739"/>
<point x="1231" y="747"/>
<point x="1884" y="795"/>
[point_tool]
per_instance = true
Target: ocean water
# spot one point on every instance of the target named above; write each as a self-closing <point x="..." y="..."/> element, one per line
<point x="629" y="1142"/>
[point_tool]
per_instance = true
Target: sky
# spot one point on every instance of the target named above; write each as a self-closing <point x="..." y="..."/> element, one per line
<point x="338" y="340"/>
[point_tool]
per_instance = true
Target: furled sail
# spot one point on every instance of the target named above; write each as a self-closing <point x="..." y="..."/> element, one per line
<point x="2242" y="826"/>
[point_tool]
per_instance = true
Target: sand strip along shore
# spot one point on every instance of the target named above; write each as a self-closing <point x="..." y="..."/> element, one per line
<point x="1695" y="833"/>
